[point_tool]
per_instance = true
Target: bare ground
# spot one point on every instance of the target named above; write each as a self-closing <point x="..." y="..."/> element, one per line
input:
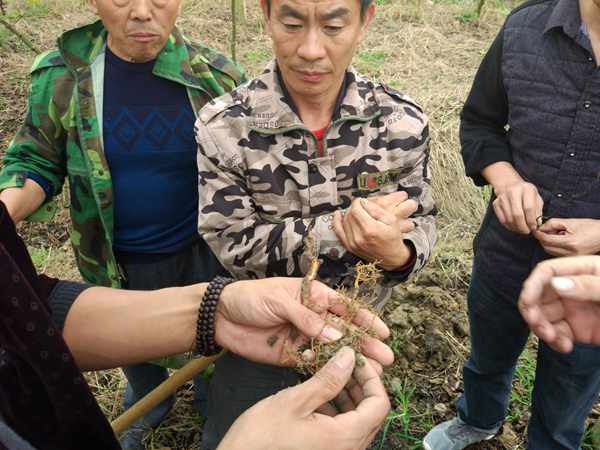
<point x="428" y="49"/>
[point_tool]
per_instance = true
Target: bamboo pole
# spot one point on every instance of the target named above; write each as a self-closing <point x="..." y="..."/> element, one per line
<point x="163" y="391"/>
<point x="21" y="36"/>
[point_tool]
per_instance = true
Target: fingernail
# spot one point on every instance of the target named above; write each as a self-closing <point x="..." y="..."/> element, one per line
<point x="344" y="358"/>
<point x="331" y="334"/>
<point x="562" y="283"/>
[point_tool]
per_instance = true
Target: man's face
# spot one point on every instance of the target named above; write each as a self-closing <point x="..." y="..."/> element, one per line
<point x="314" y="41"/>
<point x="137" y="29"/>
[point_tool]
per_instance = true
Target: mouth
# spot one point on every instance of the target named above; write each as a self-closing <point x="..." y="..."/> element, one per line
<point x="311" y="76"/>
<point x="143" y="36"/>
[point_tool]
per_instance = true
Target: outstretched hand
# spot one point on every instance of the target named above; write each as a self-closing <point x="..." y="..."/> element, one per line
<point x="561" y="301"/>
<point x="265" y="321"/>
<point x="293" y="412"/>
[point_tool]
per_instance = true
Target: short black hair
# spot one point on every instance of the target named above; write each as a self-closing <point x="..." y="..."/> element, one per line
<point x="364" y="4"/>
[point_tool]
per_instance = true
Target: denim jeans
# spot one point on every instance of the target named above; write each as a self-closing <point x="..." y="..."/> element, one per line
<point x="566" y="385"/>
<point x="194" y="264"/>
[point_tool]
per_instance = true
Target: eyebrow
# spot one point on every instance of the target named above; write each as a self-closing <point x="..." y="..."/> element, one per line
<point x="288" y="11"/>
<point x="338" y="12"/>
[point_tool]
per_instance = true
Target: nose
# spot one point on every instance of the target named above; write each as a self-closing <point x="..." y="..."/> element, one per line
<point x="311" y="48"/>
<point x="141" y="10"/>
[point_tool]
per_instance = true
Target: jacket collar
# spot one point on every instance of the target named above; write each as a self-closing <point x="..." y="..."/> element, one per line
<point x="81" y="46"/>
<point x="356" y="100"/>
<point x="566" y="15"/>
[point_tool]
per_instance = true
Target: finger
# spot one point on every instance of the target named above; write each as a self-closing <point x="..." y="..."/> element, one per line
<point x="558" y="336"/>
<point x="355" y="391"/>
<point x="553" y="226"/>
<point x="530" y="208"/>
<point x="405" y="209"/>
<point x="406" y="226"/>
<point x="497" y="205"/>
<point x="389" y="201"/>
<point x="578" y="287"/>
<point x="339" y="229"/>
<point x="362" y="318"/>
<point x="344" y="401"/>
<point x="550" y="240"/>
<point x="377" y="350"/>
<point x="378" y="213"/>
<point x="375" y="365"/>
<point x="540" y="277"/>
<point x="565" y="338"/>
<point x="373" y="409"/>
<point x="553" y="311"/>
<point x="518" y="215"/>
<point x="327" y="409"/>
<point x="326" y="384"/>
<point x="308" y="322"/>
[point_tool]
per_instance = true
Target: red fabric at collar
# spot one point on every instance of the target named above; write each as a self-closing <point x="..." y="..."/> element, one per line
<point x="319" y="135"/>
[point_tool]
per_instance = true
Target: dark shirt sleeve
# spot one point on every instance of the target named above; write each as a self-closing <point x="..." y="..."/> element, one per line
<point x="484" y="117"/>
<point x="62" y="298"/>
<point x="43" y="182"/>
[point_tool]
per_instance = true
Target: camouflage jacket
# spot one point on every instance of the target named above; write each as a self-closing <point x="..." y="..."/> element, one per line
<point x="62" y="133"/>
<point x="262" y="182"/>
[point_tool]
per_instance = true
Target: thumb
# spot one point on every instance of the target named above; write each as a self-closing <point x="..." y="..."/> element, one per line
<point x="552" y="226"/>
<point x="578" y="287"/>
<point x="327" y="383"/>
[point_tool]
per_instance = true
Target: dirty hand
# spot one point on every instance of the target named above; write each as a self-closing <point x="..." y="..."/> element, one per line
<point x="289" y="419"/>
<point x="570" y="237"/>
<point x="560" y="301"/>
<point x="375" y="232"/>
<point x="517" y="206"/>
<point x="265" y="321"/>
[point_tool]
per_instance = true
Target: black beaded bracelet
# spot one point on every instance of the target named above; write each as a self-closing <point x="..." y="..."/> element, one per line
<point x="205" y="328"/>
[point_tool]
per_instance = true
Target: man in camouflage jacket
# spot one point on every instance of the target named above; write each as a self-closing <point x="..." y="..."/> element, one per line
<point x="62" y="133"/>
<point x="112" y="110"/>
<point x="310" y="145"/>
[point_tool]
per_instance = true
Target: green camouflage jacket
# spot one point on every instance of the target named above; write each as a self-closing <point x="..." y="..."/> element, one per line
<point x="263" y="182"/>
<point x="62" y="133"/>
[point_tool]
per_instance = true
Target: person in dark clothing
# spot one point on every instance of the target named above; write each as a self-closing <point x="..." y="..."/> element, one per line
<point x="112" y="109"/>
<point x="529" y="128"/>
<point x="50" y="329"/>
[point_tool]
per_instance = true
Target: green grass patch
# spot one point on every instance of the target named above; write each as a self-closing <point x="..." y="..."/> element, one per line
<point x="520" y="395"/>
<point x="404" y="419"/>
<point x="259" y="55"/>
<point x="372" y="57"/>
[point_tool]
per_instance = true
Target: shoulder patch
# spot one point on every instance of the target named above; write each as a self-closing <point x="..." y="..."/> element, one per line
<point x="51" y="58"/>
<point x="400" y="96"/>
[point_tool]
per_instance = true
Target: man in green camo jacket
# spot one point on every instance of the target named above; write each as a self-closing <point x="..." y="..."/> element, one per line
<point x="112" y="109"/>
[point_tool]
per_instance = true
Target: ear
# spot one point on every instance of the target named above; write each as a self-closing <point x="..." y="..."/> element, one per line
<point x="366" y="20"/>
<point x="92" y="6"/>
<point x="266" y="14"/>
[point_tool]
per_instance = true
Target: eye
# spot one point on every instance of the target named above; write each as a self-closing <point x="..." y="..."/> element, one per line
<point x="333" y="29"/>
<point x="292" y="26"/>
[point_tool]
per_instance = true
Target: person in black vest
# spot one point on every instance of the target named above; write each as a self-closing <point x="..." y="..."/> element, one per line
<point x="529" y="128"/>
<point x="50" y="329"/>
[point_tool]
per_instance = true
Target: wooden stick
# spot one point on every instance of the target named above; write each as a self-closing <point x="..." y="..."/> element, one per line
<point x="22" y="37"/>
<point x="163" y="391"/>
